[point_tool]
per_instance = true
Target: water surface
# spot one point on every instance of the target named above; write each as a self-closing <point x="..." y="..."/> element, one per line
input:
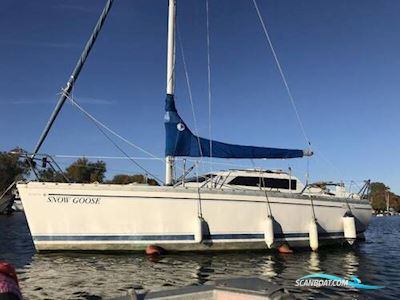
<point x="100" y="276"/>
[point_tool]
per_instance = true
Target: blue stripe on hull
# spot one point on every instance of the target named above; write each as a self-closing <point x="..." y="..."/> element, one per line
<point x="234" y="236"/>
<point x="188" y="237"/>
<point x="185" y="237"/>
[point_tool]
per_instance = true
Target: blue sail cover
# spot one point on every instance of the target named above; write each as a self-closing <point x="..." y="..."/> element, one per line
<point x="180" y="141"/>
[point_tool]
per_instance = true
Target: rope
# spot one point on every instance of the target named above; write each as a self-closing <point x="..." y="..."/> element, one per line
<point x="199" y="206"/>
<point x="101" y="126"/>
<point x="262" y="179"/>
<point x="312" y="208"/>
<point x="209" y="80"/>
<point x="189" y="90"/>
<point x="309" y="195"/>
<point x="281" y="73"/>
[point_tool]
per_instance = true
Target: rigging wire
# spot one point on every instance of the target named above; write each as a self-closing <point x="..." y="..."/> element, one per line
<point x="110" y="130"/>
<point x="281" y="73"/>
<point x="288" y="90"/>
<point x="189" y="89"/>
<point x="209" y="80"/>
<point x="149" y="158"/>
<point x="330" y="163"/>
<point x="105" y="157"/>
<point x="96" y="168"/>
<point x="126" y="154"/>
<point x="101" y="127"/>
<point x="74" y="76"/>
<point x="7" y="189"/>
<point x="291" y="98"/>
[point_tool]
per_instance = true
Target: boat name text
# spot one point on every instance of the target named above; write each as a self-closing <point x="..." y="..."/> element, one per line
<point x="74" y="199"/>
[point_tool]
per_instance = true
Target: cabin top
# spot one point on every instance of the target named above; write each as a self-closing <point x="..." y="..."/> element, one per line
<point x="267" y="180"/>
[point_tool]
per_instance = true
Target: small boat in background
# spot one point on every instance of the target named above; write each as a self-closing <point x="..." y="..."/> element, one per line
<point x="17" y="205"/>
<point x="10" y="200"/>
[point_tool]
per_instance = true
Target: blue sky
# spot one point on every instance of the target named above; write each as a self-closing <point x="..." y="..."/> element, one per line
<point x="341" y="59"/>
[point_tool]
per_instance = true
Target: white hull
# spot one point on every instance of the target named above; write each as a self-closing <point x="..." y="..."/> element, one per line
<point x="131" y="217"/>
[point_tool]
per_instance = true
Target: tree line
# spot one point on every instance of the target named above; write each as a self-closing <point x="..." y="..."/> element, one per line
<point x="379" y="192"/>
<point x="84" y="171"/>
<point x="14" y="168"/>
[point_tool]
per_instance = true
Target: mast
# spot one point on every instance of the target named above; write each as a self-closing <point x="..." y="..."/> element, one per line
<point x="387" y="201"/>
<point x="169" y="160"/>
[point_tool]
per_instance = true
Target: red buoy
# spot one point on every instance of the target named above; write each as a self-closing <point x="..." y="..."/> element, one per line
<point x="154" y="250"/>
<point x="284" y="249"/>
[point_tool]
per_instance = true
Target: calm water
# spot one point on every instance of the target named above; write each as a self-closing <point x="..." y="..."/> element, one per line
<point x="99" y="276"/>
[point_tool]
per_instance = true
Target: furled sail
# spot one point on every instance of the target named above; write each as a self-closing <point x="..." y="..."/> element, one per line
<point x="180" y="141"/>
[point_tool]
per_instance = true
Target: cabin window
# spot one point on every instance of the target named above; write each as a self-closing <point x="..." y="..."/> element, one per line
<point x="274" y="183"/>
<point x="199" y="179"/>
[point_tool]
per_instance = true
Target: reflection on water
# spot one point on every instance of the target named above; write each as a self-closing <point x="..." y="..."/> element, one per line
<point x="97" y="276"/>
<point x="350" y="266"/>
<point x="314" y="262"/>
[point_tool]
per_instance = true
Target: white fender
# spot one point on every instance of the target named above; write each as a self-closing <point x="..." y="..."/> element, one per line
<point x="313" y="235"/>
<point x="269" y="231"/>
<point x="349" y="229"/>
<point x="198" y="231"/>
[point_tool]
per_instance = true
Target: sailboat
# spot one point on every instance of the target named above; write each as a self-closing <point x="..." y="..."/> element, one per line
<point x="226" y="210"/>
